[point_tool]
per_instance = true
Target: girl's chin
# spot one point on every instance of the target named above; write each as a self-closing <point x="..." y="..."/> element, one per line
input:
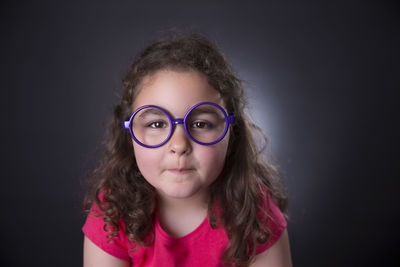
<point x="180" y="191"/>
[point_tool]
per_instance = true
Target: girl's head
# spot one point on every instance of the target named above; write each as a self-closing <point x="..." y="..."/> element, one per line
<point x="175" y="74"/>
<point x="180" y="167"/>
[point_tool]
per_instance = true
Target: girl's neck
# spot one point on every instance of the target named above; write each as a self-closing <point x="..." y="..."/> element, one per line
<point x="197" y="202"/>
<point x="179" y="217"/>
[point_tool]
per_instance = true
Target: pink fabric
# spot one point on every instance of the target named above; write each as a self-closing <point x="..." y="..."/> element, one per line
<point x="202" y="247"/>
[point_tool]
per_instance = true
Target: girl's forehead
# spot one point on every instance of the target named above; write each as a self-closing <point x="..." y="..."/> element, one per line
<point x="175" y="91"/>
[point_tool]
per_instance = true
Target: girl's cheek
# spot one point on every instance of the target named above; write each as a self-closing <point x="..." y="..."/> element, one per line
<point x="146" y="160"/>
<point x="213" y="158"/>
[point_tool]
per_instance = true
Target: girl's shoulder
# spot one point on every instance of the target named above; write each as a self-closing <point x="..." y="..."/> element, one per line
<point x="273" y="219"/>
<point x="96" y="229"/>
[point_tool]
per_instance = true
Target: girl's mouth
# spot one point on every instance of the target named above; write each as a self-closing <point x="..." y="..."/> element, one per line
<point x="181" y="171"/>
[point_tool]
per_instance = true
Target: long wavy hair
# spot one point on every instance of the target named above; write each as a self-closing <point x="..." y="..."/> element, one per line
<point x="121" y="192"/>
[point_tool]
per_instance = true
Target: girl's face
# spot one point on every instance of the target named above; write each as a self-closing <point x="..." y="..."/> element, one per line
<point x="180" y="168"/>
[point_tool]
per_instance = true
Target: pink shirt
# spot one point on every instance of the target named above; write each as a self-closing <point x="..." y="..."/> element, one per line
<point x="202" y="247"/>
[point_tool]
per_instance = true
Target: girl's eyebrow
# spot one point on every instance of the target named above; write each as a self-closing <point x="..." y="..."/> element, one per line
<point x="153" y="111"/>
<point x="202" y="110"/>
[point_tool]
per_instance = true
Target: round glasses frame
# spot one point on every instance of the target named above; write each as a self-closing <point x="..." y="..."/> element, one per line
<point x="229" y="119"/>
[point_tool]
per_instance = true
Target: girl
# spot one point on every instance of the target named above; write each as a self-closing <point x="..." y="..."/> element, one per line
<point x="182" y="181"/>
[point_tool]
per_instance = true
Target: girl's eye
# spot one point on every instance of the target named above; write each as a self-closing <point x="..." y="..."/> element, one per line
<point x="157" y="124"/>
<point x="202" y="125"/>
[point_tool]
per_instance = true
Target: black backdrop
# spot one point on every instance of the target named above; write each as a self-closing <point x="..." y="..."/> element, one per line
<point x="322" y="76"/>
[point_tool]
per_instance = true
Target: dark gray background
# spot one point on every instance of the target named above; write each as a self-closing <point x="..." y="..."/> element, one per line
<point x="322" y="77"/>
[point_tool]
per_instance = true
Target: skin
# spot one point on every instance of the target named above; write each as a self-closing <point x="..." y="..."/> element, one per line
<point x="181" y="170"/>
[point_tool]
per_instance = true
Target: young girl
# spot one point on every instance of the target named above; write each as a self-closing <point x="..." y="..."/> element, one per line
<point x="182" y="181"/>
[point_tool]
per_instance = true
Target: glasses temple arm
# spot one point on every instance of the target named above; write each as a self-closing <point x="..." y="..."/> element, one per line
<point x="125" y="124"/>
<point x="231" y="119"/>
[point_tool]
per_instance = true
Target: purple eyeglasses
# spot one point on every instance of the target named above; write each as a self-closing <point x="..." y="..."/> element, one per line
<point x="205" y="123"/>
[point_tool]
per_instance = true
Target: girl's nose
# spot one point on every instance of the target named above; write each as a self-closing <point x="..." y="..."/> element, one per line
<point x="179" y="143"/>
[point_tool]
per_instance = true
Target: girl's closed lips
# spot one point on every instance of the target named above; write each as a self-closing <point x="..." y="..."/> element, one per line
<point x="181" y="171"/>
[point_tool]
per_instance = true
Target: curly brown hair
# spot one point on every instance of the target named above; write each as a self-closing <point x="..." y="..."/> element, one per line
<point x="120" y="190"/>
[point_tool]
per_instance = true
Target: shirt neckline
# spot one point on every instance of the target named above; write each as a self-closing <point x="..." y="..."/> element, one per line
<point x="191" y="235"/>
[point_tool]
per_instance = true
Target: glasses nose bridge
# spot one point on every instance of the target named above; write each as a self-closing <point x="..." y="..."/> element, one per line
<point x="177" y="121"/>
